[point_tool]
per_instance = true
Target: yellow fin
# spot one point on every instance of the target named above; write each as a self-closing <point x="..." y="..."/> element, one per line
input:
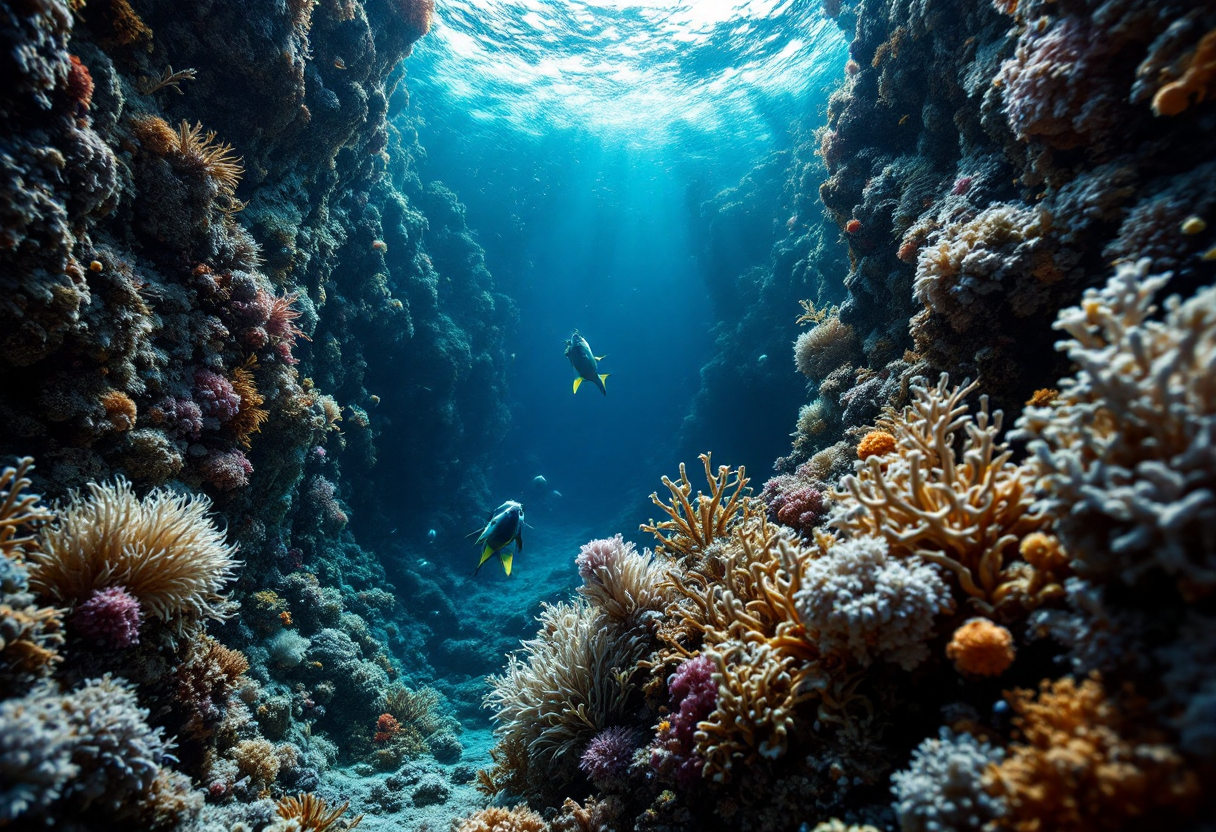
<point x="485" y="556"/>
<point x="601" y="357"/>
<point x="577" y="382"/>
<point x="506" y="561"/>
<point x="604" y="378"/>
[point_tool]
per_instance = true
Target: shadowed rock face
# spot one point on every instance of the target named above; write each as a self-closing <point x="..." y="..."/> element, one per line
<point x="232" y="280"/>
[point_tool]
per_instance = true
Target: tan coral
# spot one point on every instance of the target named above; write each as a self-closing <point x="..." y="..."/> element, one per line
<point x="310" y="814"/>
<point x="691" y="529"/>
<point x="496" y="819"/>
<point x="164" y="549"/>
<point x="966" y="515"/>
<point x="1081" y="763"/>
<point x="1194" y="85"/>
<point x="20" y="514"/>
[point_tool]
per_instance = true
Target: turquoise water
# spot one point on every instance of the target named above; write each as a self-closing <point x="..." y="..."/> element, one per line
<point x="584" y="138"/>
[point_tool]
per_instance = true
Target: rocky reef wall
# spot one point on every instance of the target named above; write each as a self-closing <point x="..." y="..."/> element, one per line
<point x="223" y="280"/>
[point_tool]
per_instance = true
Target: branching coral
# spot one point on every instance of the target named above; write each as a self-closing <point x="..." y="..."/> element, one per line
<point x="218" y="161"/>
<point x="20" y="514"/>
<point x="250" y="416"/>
<point x="163" y="549"/>
<point x="495" y="819"/>
<point x="755" y="711"/>
<point x="571" y="682"/>
<point x="966" y="515"/>
<point x="308" y="813"/>
<point x="1127" y="453"/>
<point x="692" y="529"/>
<point x="1081" y="763"/>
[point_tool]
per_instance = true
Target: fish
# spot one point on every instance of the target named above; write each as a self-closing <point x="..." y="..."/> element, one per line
<point x="506" y="526"/>
<point x="539" y="481"/>
<point x="431" y="535"/>
<point x="585" y="362"/>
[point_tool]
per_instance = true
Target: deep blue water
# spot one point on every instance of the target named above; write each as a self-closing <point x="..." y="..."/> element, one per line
<point x="583" y="138"/>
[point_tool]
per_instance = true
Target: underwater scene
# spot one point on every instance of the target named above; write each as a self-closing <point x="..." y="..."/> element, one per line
<point x="608" y="415"/>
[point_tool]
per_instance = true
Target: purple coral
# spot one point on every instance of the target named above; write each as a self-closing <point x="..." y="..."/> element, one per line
<point x="215" y="396"/>
<point x="226" y="470"/>
<point x="694" y="695"/>
<point x="794" y="502"/>
<point x="607" y="758"/>
<point x="110" y="618"/>
<point x="181" y="415"/>
<point x="321" y="497"/>
<point x="600" y="554"/>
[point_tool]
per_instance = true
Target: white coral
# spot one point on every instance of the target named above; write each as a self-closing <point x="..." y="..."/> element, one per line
<point x="1128" y="452"/>
<point x="942" y="790"/>
<point x="862" y="600"/>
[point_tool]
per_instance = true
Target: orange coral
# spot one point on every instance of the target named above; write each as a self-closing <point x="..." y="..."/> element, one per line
<point x="1043" y="397"/>
<point x="875" y="443"/>
<point x="1081" y="764"/>
<point x="1043" y="552"/>
<point x="1194" y="84"/>
<point x="126" y="27"/>
<point x="120" y="410"/>
<point x="249" y="418"/>
<point x="155" y="134"/>
<point x="981" y="648"/>
<point x="387" y="727"/>
<point x="417" y="15"/>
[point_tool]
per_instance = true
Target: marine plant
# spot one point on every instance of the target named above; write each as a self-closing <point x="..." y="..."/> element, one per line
<point x="163" y="550"/>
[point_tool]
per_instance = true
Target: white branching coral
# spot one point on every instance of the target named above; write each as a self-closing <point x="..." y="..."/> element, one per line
<point x="966" y="515"/>
<point x="868" y="604"/>
<point x="163" y="549"/>
<point x="942" y="789"/>
<point x="1127" y="453"/>
<point x="619" y="580"/>
<point x="566" y="685"/>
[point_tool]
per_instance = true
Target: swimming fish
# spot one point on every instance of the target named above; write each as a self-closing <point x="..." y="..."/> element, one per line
<point x="431" y="535"/>
<point x="505" y="526"/>
<point x="585" y="362"/>
<point x="539" y="481"/>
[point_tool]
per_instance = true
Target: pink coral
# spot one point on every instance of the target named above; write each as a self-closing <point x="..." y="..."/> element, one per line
<point x="597" y="554"/>
<point x="215" y="396"/>
<point x="694" y="695"/>
<point x="226" y="470"/>
<point x="794" y="502"/>
<point x="110" y="618"/>
<point x="181" y="415"/>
